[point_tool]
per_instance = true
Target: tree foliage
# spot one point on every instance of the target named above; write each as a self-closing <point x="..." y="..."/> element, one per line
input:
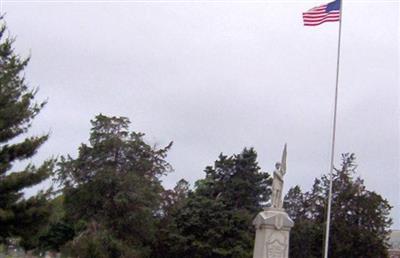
<point x="359" y="218"/>
<point x="112" y="190"/>
<point x="113" y="203"/>
<point x="215" y="220"/>
<point x="19" y="216"/>
<point x="58" y="231"/>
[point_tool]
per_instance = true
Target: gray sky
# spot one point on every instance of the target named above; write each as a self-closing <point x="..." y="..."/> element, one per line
<point x="218" y="76"/>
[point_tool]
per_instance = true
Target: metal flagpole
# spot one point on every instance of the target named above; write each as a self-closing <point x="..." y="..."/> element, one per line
<point x="328" y="216"/>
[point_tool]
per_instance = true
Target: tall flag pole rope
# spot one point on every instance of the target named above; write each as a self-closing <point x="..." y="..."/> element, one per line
<point x="331" y="12"/>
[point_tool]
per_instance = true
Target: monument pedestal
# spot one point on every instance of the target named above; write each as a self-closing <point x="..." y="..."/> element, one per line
<point x="272" y="234"/>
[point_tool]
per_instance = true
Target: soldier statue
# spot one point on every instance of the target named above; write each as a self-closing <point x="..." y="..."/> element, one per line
<point x="277" y="182"/>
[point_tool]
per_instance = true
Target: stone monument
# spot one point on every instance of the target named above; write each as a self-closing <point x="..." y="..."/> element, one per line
<point x="273" y="224"/>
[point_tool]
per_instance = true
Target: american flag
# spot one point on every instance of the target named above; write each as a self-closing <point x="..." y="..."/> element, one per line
<point x="324" y="13"/>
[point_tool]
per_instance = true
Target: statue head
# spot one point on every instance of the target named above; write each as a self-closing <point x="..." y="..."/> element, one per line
<point x="277" y="165"/>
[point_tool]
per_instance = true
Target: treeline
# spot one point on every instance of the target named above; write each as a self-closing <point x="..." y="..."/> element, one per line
<point x="115" y="205"/>
<point x="109" y="201"/>
<point x="360" y="218"/>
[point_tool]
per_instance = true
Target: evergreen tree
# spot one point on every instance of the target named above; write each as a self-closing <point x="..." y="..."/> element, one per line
<point x="299" y="207"/>
<point x="216" y="219"/>
<point x="172" y="201"/>
<point x="359" y="219"/>
<point x="294" y="203"/>
<point x="59" y="231"/>
<point x="237" y="181"/>
<point x="18" y="216"/>
<point x="113" y="191"/>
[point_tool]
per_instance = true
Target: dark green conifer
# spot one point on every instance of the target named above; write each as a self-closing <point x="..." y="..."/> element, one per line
<point x="216" y="218"/>
<point x="112" y="191"/>
<point x="18" y="216"/>
<point x="360" y="219"/>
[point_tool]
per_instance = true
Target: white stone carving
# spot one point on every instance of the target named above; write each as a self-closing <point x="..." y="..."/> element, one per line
<point x="277" y="181"/>
<point x="273" y="224"/>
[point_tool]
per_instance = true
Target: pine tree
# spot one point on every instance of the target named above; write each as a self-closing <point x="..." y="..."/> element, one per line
<point x="172" y="201"/>
<point x="237" y="181"/>
<point x="359" y="218"/>
<point x="296" y="204"/>
<point x="18" y="216"/>
<point x="112" y="191"/>
<point x="216" y="219"/>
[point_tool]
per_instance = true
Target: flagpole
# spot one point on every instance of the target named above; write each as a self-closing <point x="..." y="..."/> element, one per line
<point x="328" y="216"/>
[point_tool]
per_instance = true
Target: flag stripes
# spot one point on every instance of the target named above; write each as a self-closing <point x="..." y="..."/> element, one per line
<point x="319" y="15"/>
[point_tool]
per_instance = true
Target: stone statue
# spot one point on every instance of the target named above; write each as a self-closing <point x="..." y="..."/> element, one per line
<point x="273" y="224"/>
<point x="277" y="182"/>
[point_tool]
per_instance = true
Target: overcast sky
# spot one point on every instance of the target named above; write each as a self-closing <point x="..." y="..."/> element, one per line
<point x="218" y="76"/>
